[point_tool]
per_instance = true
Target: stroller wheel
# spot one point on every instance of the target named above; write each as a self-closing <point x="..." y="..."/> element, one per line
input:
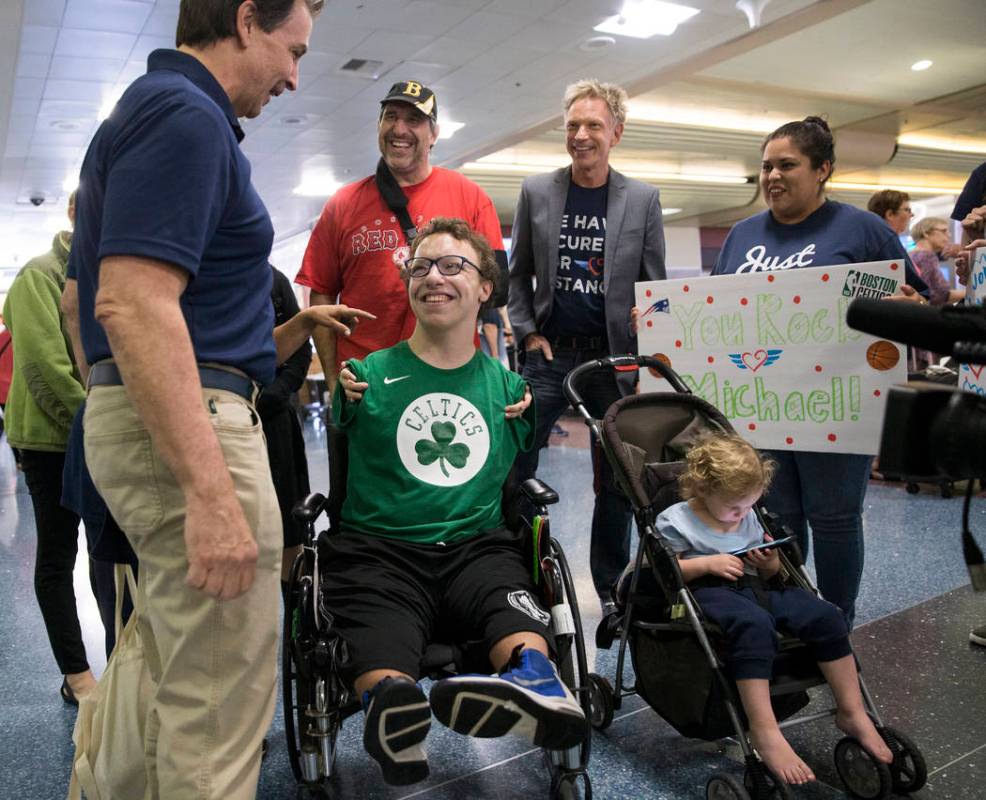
<point x="909" y="770"/>
<point x="771" y="787"/>
<point x="864" y="777"/>
<point x="723" y="786"/>
<point x="913" y="488"/>
<point x="600" y="701"/>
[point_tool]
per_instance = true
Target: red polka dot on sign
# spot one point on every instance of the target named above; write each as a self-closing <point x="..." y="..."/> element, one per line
<point x="684" y="288"/>
<point x="647" y="293"/>
<point x="709" y="300"/>
<point x="876" y="392"/>
<point x="797" y="299"/>
<point x="650" y="323"/>
<point x="789" y="440"/>
<point x="677" y="342"/>
<point x="743" y="301"/>
<point x="711" y="360"/>
<point x="770" y="279"/>
<point x="752" y="426"/>
<point x="893" y="266"/>
<point x="832" y="437"/>
<point x="825" y="277"/>
<point x="818" y="367"/>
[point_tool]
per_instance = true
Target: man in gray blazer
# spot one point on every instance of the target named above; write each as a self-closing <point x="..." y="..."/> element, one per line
<point x="582" y="236"/>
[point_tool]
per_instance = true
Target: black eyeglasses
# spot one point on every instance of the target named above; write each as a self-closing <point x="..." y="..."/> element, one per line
<point x="420" y="266"/>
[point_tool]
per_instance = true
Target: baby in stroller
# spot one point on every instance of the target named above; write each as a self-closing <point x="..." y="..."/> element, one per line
<point x="724" y="478"/>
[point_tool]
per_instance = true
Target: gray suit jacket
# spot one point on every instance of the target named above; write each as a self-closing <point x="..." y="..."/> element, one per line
<point x="634" y="251"/>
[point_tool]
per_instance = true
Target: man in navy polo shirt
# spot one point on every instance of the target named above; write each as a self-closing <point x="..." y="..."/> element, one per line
<point x="174" y="302"/>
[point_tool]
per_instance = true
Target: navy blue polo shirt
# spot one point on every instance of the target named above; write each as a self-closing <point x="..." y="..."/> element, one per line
<point x="164" y="178"/>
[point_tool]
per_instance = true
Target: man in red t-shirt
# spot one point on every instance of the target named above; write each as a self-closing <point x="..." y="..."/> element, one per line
<point x="358" y="245"/>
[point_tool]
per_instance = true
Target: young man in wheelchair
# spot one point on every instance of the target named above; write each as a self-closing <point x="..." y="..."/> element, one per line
<point x="433" y="428"/>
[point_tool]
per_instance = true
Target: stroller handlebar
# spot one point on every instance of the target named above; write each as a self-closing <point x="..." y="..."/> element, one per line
<point x="622" y="363"/>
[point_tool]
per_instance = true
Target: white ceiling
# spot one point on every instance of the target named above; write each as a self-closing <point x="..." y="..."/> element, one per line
<point x="500" y="67"/>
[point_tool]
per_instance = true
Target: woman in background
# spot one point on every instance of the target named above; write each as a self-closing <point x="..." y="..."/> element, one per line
<point x="802" y="228"/>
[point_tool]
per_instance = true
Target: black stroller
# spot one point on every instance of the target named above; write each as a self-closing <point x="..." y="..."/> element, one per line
<point x="678" y="657"/>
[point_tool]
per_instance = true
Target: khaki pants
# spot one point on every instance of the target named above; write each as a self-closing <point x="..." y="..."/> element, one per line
<point x="214" y="661"/>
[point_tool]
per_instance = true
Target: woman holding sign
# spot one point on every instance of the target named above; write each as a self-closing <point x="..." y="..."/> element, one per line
<point x="802" y="228"/>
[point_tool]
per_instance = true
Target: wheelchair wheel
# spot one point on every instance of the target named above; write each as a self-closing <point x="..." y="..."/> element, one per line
<point x="600" y="702"/>
<point x="565" y="785"/>
<point x="723" y="786"/>
<point x="575" y="669"/>
<point x="299" y="686"/>
<point x="864" y="777"/>
<point x="909" y="772"/>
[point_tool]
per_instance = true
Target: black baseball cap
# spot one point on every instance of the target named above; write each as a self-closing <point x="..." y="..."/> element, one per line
<point x="417" y="94"/>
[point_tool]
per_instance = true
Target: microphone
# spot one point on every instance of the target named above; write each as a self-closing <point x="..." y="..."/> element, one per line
<point x="922" y="326"/>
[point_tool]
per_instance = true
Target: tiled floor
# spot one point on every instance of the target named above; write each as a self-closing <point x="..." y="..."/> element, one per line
<point x="914" y="615"/>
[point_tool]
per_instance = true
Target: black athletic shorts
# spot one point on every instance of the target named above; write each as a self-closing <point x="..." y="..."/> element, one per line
<point x="390" y="598"/>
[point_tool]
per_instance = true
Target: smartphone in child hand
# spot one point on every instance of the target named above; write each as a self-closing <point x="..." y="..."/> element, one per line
<point x="761" y="546"/>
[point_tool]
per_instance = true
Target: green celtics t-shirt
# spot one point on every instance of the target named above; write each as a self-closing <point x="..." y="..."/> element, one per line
<point x="429" y="448"/>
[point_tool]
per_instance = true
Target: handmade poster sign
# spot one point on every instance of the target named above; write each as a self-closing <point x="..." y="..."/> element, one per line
<point x="971" y="376"/>
<point x="773" y="352"/>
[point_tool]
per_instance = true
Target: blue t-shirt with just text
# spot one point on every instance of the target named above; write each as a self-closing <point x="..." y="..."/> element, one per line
<point x="579" y="303"/>
<point x="833" y="234"/>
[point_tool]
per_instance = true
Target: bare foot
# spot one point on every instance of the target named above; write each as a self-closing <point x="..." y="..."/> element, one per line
<point x="862" y="728"/>
<point x="780" y="757"/>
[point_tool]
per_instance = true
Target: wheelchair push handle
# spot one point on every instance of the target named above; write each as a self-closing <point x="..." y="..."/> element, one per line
<point x="623" y="363"/>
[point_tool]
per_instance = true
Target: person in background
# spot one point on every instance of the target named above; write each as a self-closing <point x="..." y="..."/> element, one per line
<point x="583" y="235"/>
<point x="931" y="238"/>
<point x="45" y="393"/>
<point x="970" y="210"/>
<point x="359" y="245"/>
<point x="894" y="208"/>
<point x="285" y="441"/>
<point x="801" y="228"/>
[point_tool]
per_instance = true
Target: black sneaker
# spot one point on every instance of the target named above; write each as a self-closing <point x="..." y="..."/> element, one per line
<point x="397" y="721"/>
<point x="527" y="699"/>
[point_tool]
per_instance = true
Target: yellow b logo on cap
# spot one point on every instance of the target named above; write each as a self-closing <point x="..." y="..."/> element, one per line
<point x="413" y="89"/>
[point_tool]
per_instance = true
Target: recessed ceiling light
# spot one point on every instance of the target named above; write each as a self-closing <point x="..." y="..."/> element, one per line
<point x="642" y="19"/>
<point x="71" y="182"/>
<point x="65" y="125"/>
<point x="447" y="128"/>
<point x="921" y="66"/>
<point x="594" y="43"/>
<point x="294" y="120"/>
<point x="667" y="212"/>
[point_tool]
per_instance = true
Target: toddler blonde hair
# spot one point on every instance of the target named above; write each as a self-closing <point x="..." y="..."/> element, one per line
<point x="725" y="465"/>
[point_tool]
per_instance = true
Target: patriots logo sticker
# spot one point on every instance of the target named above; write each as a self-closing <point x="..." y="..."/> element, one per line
<point x="756" y="359"/>
<point x="658" y="307"/>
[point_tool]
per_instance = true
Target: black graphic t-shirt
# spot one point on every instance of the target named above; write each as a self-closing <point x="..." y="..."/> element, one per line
<point x="579" y="302"/>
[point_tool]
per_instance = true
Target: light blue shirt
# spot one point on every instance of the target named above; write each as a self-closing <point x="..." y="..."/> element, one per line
<point x="689" y="537"/>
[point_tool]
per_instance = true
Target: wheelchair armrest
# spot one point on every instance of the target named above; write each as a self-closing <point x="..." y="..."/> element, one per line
<point x="307" y="510"/>
<point x="539" y="492"/>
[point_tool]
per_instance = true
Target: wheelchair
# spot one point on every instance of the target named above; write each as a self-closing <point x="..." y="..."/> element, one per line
<point x="317" y="699"/>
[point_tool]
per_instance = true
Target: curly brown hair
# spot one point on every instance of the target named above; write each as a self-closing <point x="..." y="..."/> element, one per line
<point x="726" y="465"/>
<point x="460" y="231"/>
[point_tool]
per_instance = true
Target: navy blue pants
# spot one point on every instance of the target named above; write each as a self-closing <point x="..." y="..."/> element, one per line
<point x="751" y="629"/>
<point x="609" y="543"/>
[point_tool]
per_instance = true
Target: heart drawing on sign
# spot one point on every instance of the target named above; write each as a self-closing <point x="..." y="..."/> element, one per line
<point x="754" y="361"/>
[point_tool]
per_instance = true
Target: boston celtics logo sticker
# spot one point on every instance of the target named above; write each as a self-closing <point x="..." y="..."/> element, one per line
<point x="442" y="439"/>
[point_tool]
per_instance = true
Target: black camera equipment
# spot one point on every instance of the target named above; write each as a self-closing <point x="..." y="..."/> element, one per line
<point x="927" y="426"/>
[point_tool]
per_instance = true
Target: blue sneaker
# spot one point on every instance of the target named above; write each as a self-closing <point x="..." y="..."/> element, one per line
<point x="527" y="699"/>
<point x="397" y="722"/>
